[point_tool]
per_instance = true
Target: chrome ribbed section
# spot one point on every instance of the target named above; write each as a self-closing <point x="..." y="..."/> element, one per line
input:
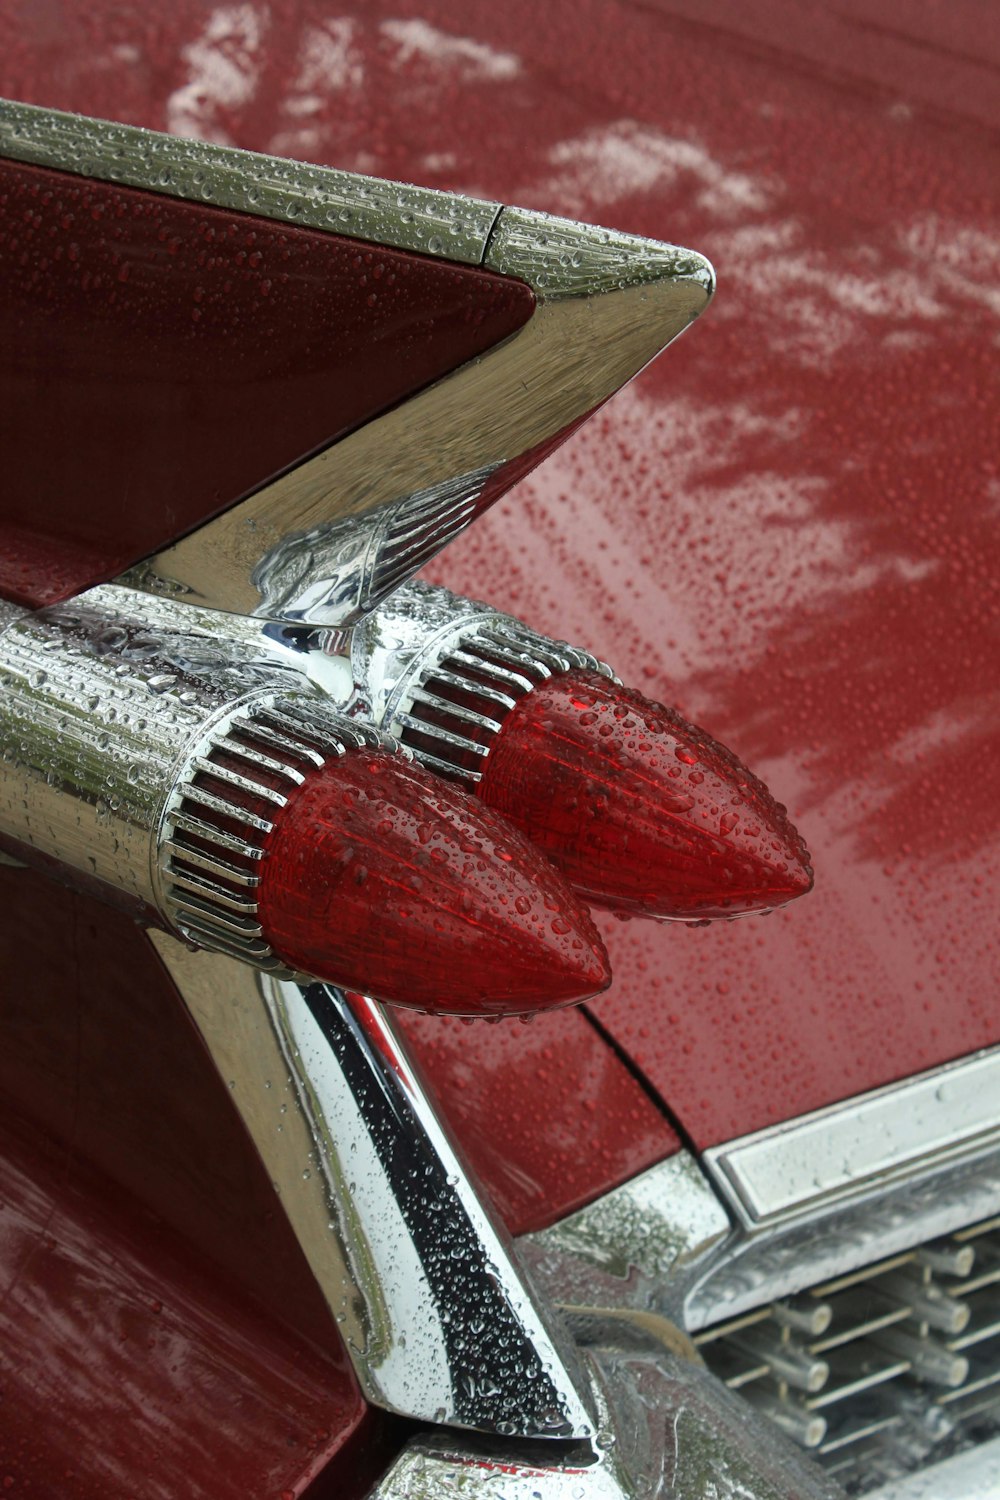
<point x="222" y="809"/>
<point x="884" y="1370"/>
<point x="418" y="528"/>
<point x="454" y="709"/>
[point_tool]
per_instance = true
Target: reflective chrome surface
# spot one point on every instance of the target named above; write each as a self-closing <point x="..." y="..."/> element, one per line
<point x="390" y="213"/>
<point x="98" y="699"/>
<point x="325" y="542"/>
<point x="952" y="1182"/>
<point x="860" y="1143"/>
<point x="424" y="639"/>
<point x="861" y="1316"/>
<point x="903" y="1354"/>
<point x="438" y="1320"/>
<point x="621" y="1250"/>
<point x="342" y="569"/>
<point x="562" y="258"/>
<point x="281" y="552"/>
<point x="667" y="1428"/>
<point x="99" y="702"/>
<point x="206" y="897"/>
<point x="393" y="645"/>
<point x="109" y="706"/>
<point x="968" y="1476"/>
<point x="751" y="1269"/>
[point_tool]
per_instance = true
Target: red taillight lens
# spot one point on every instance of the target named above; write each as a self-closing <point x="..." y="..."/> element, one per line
<point x="380" y="877"/>
<point x="643" y="812"/>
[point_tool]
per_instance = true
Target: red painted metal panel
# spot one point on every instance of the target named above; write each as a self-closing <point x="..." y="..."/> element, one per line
<point x="128" y="1367"/>
<point x="788" y="525"/>
<point x="99" y="1053"/>
<point x="160" y="359"/>
<point x="786" y="528"/>
<point x="547" y="1116"/>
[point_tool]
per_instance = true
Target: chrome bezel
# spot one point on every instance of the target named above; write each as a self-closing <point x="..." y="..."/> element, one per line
<point x="678" y="1238"/>
<point x="859" y="1145"/>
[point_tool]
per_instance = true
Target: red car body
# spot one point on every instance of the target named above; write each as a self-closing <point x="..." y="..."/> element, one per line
<point x="787" y="527"/>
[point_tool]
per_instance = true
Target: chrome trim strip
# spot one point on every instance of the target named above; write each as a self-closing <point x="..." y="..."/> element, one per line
<point x="861" y="1143"/>
<point x="426" y="220"/>
<point x="436" y="1315"/>
<point x="827" y="1241"/>
<point x="661" y="1243"/>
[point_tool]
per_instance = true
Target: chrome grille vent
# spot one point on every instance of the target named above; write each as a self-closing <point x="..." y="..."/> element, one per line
<point x="453" y="712"/>
<point x="219" y="816"/>
<point x="883" y="1371"/>
<point x="418" y="528"/>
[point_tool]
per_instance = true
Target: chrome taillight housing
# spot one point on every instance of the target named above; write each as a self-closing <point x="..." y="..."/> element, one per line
<point x="224" y="797"/>
<point x="644" y="813"/>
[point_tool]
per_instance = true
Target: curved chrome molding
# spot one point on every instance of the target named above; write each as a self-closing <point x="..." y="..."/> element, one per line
<point x="300" y="549"/>
<point x="437" y="1318"/>
<point x="563" y="258"/>
<point x="425" y="642"/>
<point x="667" y="1428"/>
<point x="446" y="225"/>
<point x="621" y="1250"/>
<point x="917" y="1160"/>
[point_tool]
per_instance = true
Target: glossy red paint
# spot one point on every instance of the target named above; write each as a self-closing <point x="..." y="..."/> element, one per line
<point x="99" y="1054"/>
<point x="145" y="1190"/>
<point x="146" y="1360"/>
<point x="544" y="1110"/>
<point x="786" y="527"/>
<point x="644" y="813"/>
<point x="471" y="918"/>
<point x="161" y="359"/>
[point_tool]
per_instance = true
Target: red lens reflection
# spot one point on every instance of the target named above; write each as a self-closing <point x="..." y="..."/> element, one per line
<point x="382" y="878"/>
<point x="643" y="812"/>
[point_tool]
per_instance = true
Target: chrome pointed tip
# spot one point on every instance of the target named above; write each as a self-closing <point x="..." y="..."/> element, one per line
<point x="562" y="258"/>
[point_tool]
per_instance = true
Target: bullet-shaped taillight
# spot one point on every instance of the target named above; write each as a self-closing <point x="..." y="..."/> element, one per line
<point x="172" y="771"/>
<point x="644" y="813"/>
<point x="314" y="851"/>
